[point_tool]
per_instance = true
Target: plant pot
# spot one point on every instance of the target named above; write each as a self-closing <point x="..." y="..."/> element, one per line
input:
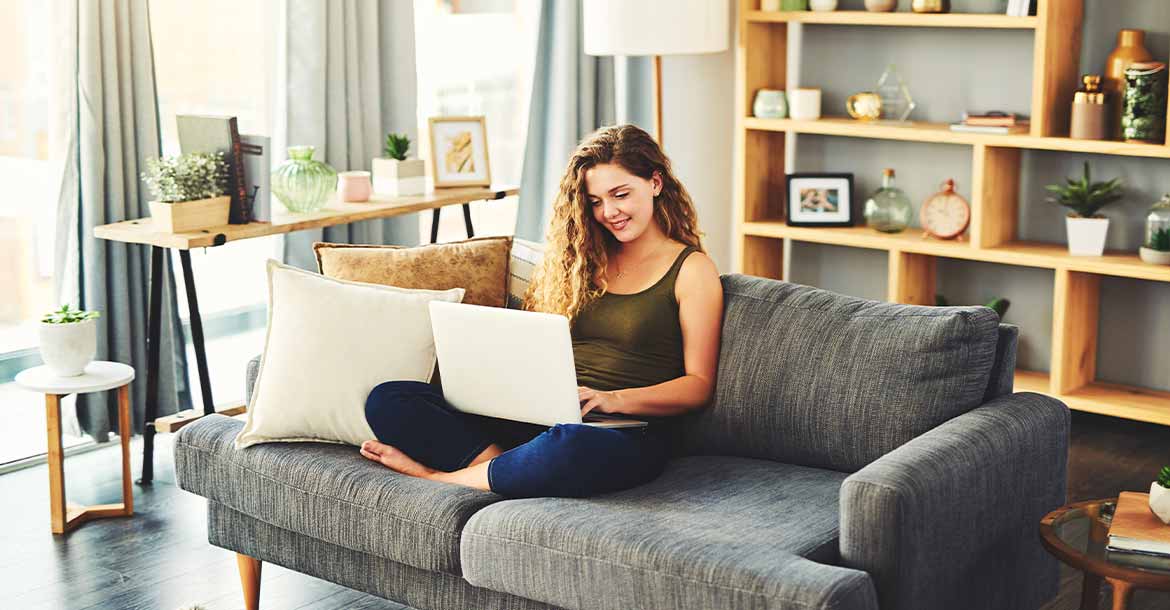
<point x="399" y="178"/>
<point x="1086" y="236"/>
<point x="67" y="348"/>
<point x="1160" y="502"/>
<point x="186" y="216"/>
<point x="822" y="6"/>
<point x="1154" y="257"/>
<point x="881" y="6"/>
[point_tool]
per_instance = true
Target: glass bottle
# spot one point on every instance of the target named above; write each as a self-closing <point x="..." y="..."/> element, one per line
<point x="301" y="183"/>
<point x="888" y="210"/>
<point x="1158" y="225"/>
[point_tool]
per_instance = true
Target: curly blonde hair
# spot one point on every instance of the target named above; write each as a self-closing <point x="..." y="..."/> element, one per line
<point x="572" y="274"/>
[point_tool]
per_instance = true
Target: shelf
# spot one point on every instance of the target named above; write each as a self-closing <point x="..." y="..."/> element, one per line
<point x="1021" y="253"/>
<point x="944" y="20"/>
<point x="940" y="133"/>
<point x="1114" y="400"/>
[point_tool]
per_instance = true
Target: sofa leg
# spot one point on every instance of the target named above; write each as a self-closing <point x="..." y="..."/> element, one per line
<point x="250" y="580"/>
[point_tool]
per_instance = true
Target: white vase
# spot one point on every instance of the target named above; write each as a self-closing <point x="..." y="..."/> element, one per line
<point x="804" y="104"/>
<point x="822" y="6"/>
<point x="1160" y="502"/>
<point x="399" y="178"/>
<point x="1154" y="257"/>
<point x="67" y="348"/>
<point x="1086" y="236"/>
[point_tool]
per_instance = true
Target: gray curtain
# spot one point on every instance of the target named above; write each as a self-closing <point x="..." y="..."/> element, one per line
<point x="572" y="95"/>
<point x="107" y="112"/>
<point x="346" y="74"/>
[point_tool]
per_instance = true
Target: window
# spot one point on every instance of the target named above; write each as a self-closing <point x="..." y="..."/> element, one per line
<point x="488" y="73"/>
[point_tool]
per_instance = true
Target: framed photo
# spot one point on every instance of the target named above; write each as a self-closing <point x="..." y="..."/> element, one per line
<point x="820" y="200"/>
<point x="459" y="155"/>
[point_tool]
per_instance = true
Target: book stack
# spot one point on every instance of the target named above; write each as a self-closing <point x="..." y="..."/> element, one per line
<point x="1137" y="537"/>
<point x="1021" y="8"/>
<point x="991" y="122"/>
<point x="219" y="134"/>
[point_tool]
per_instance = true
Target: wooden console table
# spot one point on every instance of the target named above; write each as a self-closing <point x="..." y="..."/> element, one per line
<point x="141" y="231"/>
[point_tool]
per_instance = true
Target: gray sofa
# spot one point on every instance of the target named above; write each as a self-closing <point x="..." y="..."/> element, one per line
<point x="857" y="455"/>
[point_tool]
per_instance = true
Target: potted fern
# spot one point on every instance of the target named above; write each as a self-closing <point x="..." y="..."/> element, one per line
<point x="1086" y="228"/>
<point x="394" y="174"/>
<point x="1160" y="495"/>
<point x="68" y="340"/>
<point x="189" y="190"/>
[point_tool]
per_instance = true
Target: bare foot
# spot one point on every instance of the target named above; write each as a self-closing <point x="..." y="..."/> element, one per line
<point x="394" y="459"/>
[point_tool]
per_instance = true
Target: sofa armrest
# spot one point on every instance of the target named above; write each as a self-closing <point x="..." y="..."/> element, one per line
<point x="950" y="519"/>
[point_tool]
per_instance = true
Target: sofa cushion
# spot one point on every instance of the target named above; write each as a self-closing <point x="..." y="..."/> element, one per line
<point x="807" y="376"/>
<point x="710" y="532"/>
<point x="328" y="492"/>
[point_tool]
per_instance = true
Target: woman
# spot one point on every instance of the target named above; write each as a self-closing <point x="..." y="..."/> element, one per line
<point x="625" y="265"/>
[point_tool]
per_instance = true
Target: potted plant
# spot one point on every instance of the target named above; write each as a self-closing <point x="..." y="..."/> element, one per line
<point x="394" y="174"/>
<point x="68" y="339"/>
<point x="1156" y="249"/>
<point x="1086" y="228"/>
<point x="189" y="190"/>
<point x="1160" y="495"/>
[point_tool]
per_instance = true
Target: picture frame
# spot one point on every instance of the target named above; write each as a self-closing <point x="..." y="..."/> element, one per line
<point x="819" y="199"/>
<point x="459" y="155"/>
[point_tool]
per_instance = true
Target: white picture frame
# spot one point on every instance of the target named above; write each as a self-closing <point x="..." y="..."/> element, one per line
<point x="459" y="155"/>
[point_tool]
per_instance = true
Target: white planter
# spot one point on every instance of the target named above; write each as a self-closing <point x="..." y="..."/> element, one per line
<point x="1086" y="236"/>
<point x="1154" y="257"/>
<point x="67" y="348"/>
<point x="399" y="178"/>
<point x="1160" y="502"/>
<point x="822" y="5"/>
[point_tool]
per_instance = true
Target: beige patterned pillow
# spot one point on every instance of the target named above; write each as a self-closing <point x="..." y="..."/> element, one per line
<point x="478" y="265"/>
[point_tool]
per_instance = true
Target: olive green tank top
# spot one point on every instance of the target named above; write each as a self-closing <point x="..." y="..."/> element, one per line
<point x="631" y="340"/>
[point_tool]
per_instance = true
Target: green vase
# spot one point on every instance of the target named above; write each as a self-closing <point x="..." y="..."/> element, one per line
<point x="889" y="209"/>
<point x="301" y="183"/>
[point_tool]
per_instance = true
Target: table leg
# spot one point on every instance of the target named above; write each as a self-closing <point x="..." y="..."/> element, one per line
<point x="197" y="332"/>
<point x="435" y="225"/>
<point x="125" y="430"/>
<point x="467" y="220"/>
<point x="153" y="333"/>
<point x="1122" y="593"/>
<point x="56" y="457"/>
<point x="1090" y="592"/>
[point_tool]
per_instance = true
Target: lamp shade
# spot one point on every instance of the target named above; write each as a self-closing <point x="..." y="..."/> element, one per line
<point x="655" y="27"/>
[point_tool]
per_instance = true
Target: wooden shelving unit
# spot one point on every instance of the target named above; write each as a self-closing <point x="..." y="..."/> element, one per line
<point x="995" y="173"/>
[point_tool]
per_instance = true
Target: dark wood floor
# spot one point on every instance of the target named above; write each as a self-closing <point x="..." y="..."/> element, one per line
<point x="160" y="559"/>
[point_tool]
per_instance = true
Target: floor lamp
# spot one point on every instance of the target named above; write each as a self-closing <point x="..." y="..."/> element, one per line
<point x="655" y="28"/>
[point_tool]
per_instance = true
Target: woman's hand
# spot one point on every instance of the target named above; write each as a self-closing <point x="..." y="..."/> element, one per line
<point x="598" y="400"/>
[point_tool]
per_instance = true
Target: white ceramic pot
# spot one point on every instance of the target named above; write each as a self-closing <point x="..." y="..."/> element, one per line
<point x="804" y="104"/>
<point x="399" y="178"/>
<point x="67" y="348"/>
<point x="881" y="6"/>
<point x="823" y="6"/>
<point x="1154" y="257"/>
<point x="1086" y="236"/>
<point x="1160" y="502"/>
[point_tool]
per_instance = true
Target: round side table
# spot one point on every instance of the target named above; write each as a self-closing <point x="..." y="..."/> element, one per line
<point x="98" y="376"/>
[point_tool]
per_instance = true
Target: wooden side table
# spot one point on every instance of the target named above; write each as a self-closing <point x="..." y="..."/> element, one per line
<point x="99" y="376"/>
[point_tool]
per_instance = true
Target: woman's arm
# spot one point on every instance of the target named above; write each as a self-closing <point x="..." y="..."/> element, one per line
<point x="700" y="312"/>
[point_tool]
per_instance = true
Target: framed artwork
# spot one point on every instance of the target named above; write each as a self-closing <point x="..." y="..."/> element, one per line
<point x="459" y="155"/>
<point x="820" y="200"/>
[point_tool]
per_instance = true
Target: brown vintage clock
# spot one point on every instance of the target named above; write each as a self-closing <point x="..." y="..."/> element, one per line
<point x="945" y="214"/>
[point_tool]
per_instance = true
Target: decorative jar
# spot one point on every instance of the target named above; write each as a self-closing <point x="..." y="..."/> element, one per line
<point x="301" y="183"/>
<point x="1156" y="248"/>
<point x="1144" y="115"/>
<point x="822" y="6"/>
<point x="770" y="104"/>
<point x="888" y="210"/>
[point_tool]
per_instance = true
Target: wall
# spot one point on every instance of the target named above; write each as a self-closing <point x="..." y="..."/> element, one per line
<point x="948" y="71"/>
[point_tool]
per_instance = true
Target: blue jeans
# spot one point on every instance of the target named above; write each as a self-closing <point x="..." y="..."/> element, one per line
<point x="570" y="460"/>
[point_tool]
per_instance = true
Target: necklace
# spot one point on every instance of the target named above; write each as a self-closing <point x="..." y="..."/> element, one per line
<point x="622" y="271"/>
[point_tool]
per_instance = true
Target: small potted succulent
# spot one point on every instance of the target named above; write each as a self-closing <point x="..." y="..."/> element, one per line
<point x="1156" y="249"/>
<point x="1160" y="495"/>
<point x="1086" y="228"/>
<point x="394" y="174"/>
<point x="68" y="339"/>
<point x="189" y="190"/>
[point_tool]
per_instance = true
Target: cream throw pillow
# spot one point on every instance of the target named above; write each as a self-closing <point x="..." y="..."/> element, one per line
<point x="329" y="342"/>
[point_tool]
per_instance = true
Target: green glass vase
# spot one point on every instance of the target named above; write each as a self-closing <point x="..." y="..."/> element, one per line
<point x="889" y="209"/>
<point x="301" y="183"/>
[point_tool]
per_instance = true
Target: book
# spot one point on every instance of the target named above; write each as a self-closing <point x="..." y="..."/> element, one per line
<point x="995" y="118"/>
<point x="1135" y="529"/>
<point x="257" y="155"/>
<point x="992" y="129"/>
<point x="1139" y="560"/>
<point x="201" y="133"/>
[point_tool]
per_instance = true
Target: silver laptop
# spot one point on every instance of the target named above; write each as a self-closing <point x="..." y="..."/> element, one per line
<point x="511" y="364"/>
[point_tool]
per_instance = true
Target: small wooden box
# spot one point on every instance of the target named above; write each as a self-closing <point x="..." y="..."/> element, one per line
<point x="186" y="216"/>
